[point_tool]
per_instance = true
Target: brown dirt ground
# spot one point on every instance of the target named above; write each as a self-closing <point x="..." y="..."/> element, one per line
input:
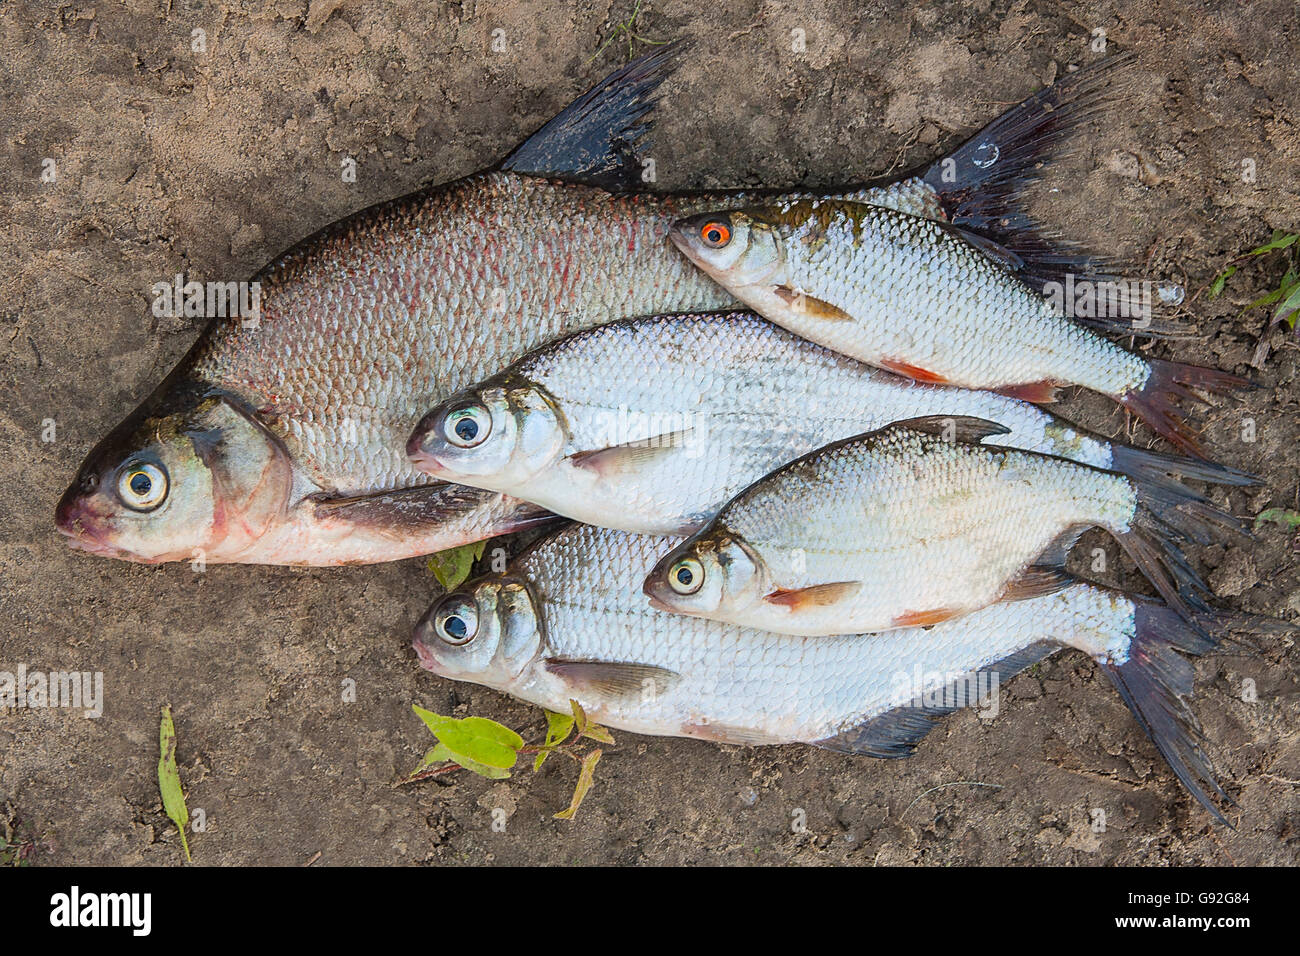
<point x="212" y="163"/>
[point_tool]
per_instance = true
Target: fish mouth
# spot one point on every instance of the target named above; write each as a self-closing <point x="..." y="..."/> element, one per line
<point x="418" y="455"/>
<point x="659" y="605"/>
<point x="427" y="660"/>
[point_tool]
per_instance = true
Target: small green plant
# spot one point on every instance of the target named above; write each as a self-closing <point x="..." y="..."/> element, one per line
<point x="17" y="847"/>
<point x="491" y="749"/>
<point x="1282" y="517"/>
<point x="1286" y="297"/>
<point x="628" y="29"/>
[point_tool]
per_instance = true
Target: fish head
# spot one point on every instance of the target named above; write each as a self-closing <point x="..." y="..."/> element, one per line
<point x="707" y="575"/>
<point x="198" y="478"/>
<point x="498" y="436"/>
<point x="739" y="248"/>
<point x="486" y="633"/>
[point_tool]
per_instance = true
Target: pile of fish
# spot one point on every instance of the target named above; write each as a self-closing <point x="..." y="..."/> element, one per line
<point x="778" y="511"/>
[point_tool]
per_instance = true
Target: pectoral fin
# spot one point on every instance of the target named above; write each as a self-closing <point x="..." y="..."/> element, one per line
<point x="811" y="306"/>
<point x="412" y="512"/>
<point x="819" y="595"/>
<point x="631" y="457"/>
<point x="612" y="679"/>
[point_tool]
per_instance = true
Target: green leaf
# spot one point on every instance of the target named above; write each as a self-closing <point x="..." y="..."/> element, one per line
<point x="558" y="728"/>
<point x="1283" y="517"/>
<point x="169" y="779"/>
<point x="1286" y="312"/>
<point x="452" y="567"/>
<point x="586" y="776"/>
<point x="474" y="741"/>
<point x="1216" y="287"/>
<point x="1280" y="241"/>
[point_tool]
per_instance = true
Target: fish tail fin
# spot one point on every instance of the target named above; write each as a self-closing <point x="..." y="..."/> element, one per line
<point x="1169" y="513"/>
<point x="1154" y="678"/>
<point x="1143" y="464"/>
<point x="980" y="183"/>
<point x="1157" y="401"/>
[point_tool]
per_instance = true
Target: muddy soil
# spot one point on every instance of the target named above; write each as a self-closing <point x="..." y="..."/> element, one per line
<point x="169" y="158"/>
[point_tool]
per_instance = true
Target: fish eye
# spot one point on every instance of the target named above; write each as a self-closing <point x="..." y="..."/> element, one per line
<point x="468" y="426"/>
<point x="142" y="486"/>
<point x="715" y="233"/>
<point x="457" y="620"/>
<point x="686" y="576"/>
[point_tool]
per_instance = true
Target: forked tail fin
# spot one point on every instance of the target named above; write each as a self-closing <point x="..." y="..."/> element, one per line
<point x="1168" y="514"/>
<point x="1153" y="678"/>
<point x="1157" y="401"/>
<point x="981" y="182"/>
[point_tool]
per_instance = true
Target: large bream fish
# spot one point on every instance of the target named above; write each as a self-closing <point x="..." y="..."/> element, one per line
<point x="652" y="424"/>
<point x="282" y="441"/>
<point x="568" y="621"/>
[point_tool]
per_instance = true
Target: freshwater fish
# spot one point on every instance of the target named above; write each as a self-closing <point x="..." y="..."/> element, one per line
<point x="918" y="523"/>
<point x="652" y="424"/>
<point x="925" y="299"/>
<point x="567" y="621"/>
<point x="280" y="437"/>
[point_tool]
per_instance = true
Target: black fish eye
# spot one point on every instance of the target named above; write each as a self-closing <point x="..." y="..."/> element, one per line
<point x="141" y="483"/>
<point x="456" y="626"/>
<point x="684" y="576"/>
<point x="467" y="429"/>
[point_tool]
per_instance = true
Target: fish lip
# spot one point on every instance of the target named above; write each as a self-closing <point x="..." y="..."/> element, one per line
<point x="659" y="605"/>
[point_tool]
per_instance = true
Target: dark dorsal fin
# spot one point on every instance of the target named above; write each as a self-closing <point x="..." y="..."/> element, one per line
<point x="962" y="428"/>
<point x="593" y="139"/>
<point x="896" y="733"/>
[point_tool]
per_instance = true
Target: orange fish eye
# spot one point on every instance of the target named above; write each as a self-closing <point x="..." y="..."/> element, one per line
<point x="715" y="234"/>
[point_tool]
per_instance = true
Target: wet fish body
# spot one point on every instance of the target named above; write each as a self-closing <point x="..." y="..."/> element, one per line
<point x="917" y="523"/>
<point x="924" y="299"/>
<point x="652" y="424"/>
